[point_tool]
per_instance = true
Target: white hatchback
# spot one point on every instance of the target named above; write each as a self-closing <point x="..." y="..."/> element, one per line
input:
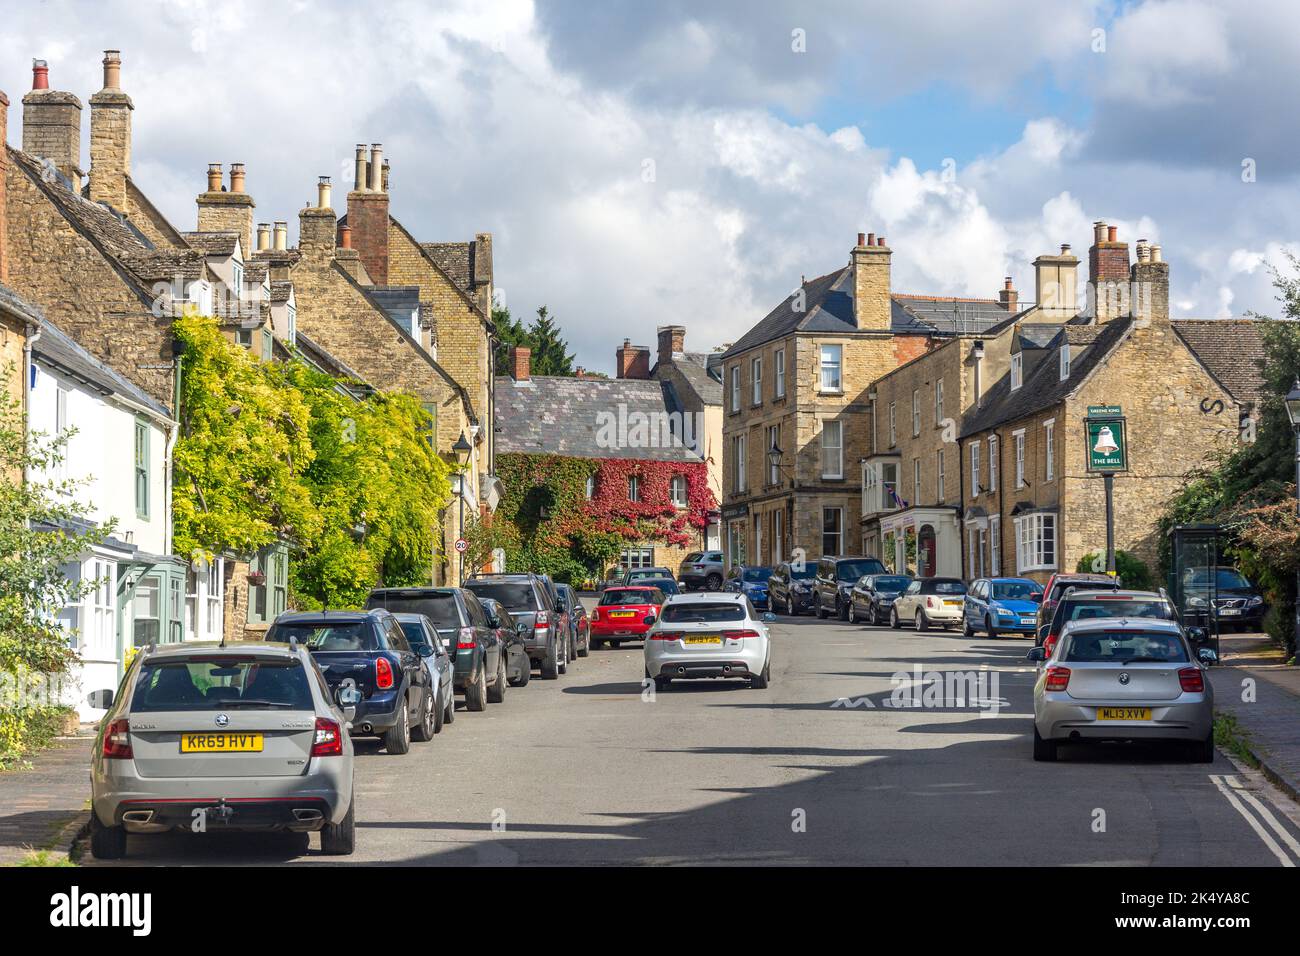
<point x="714" y="634"/>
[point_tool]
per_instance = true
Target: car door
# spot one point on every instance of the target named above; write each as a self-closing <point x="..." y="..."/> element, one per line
<point x="414" y="674"/>
<point x="439" y="665"/>
<point x="485" y="636"/>
<point x="908" y="600"/>
<point x="972" y="611"/>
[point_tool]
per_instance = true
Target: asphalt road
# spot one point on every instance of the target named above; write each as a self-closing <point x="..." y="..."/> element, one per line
<point x="817" y="769"/>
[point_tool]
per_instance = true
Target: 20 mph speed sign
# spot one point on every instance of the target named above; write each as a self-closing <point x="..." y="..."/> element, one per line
<point x="462" y="545"/>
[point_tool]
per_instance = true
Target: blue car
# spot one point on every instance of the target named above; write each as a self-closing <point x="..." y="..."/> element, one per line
<point x="1002" y="605"/>
<point x="751" y="581"/>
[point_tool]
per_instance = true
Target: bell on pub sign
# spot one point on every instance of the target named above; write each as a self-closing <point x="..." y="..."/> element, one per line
<point x="1105" y="441"/>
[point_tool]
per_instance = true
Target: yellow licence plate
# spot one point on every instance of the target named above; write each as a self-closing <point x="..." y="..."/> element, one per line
<point x="953" y="603"/>
<point x="703" y="639"/>
<point x="622" y="613"/>
<point x="221" y="743"/>
<point x="1123" y="713"/>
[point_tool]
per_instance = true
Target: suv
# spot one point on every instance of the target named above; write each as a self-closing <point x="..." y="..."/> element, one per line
<point x="245" y="737"/>
<point x="642" y="575"/>
<point x="579" y="633"/>
<point x="835" y="579"/>
<point x="701" y="569"/>
<point x="1058" y="583"/>
<point x="530" y="603"/>
<point x="1087" y="605"/>
<point x="1238" y="604"/>
<point x="367" y="650"/>
<point x="790" y="587"/>
<point x="472" y="643"/>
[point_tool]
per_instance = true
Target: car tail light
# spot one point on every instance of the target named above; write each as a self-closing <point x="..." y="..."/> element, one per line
<point x="383" y="673"/>
<point x="117" y="740"/>
<point x="667" y="636"/>
<point x="1049" y="645"/>
<point x="931" y="602"/>
<point x="465" y="639"/>
<point x="329" y="739"/>
<point x="595" y="614"/>
<point x="741" y="635"/>
<point x="1058" y="678"/>
<point x="542" y="621"/>
<point x="1191" y="680"/>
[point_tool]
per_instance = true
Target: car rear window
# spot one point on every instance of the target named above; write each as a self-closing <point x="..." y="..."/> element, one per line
<point x="415" y="635"/>
<point x="1125" y="647"/>
<point x="755" y="575"/>
<point x="326" y="635"/>
<point x="1104" y="607"/>
<point x="222" y="683"/>
<point x="1059" y="589"/>
<point x="632" y="596"/>
<point x="941" y="586"/>
<point x="852" y="570"/>
<point x="513" y="595"/>
<point x="440" y="607"/>
<point x="693" y="556"/>
<point x="892" y="584"/>
<point x="667" y="585"/>
<point x="703" y="612"/>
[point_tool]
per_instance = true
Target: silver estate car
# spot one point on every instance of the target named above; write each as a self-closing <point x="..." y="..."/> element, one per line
<point x="1122" y="679"/>
<point x="209" y="738"/>
<point x="708" y="634"/>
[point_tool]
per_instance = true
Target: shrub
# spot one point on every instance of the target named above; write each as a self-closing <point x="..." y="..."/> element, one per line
<point x="1133" y="573"/>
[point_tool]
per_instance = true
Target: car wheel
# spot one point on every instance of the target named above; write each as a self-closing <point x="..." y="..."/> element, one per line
<point x="713" y="582"/>
<point x="439" y="714"/>
<point x="661" y="683"/>
<point x="450" y="715"/>
<point x="476" y="692"/>
<point x="760" y="680"/>
<point x="853" y="619"/>
<point x="894" y="622"/>
<point x="966" y="629"/>
<point x="106" y="843"/>
<point x="340" y="839"/>
<point x="821" y="611"/>
<point x="597" y="643"/>
<point x="563" y="665"/>
<point x="424" y="728"/>
<point x="1203" y="751"/>
<point x="841" y="610"/>
<point x="1044" y="750"/>
<point x="990" y="627"/>
<point x="585" y="647"/>
<point x="397" y="740"/>
<point x="496" y="694"/>
<point x="551" y="662"/>
<point x="921" y="623"/>
<point x="525" y="674"/>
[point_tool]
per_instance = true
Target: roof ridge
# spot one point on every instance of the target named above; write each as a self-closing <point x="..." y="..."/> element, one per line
<point x="941" y="298"/>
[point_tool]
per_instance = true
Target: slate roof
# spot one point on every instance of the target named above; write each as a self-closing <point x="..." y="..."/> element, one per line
<point x="255" y="273"/>
<point x="278" y="258"/>
<point x="213" y="243"/>
<point x="1232" y="350"/>
<point x="702" y="375"/>
<point x="1041" y="386"/>
<point x="14" y="304"/>
<point x="828" y="307"/>
<point x="59" y="350"/>
<point x="400" y="302"/>
<point x="455" y="259"/>
<point x="165" y="264"/>
<point x="280" y="290"/>
<point x="563" y="416"/>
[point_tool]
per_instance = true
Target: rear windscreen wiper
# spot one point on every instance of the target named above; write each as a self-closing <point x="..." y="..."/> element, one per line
<point x="257" y="703"/>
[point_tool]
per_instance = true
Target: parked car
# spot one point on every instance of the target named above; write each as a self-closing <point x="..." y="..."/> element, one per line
<point x="519" y="669"/>
<point x="1081" y="605"/>
<point x="622" y="612"/>
<point x="1238" y="604"/>
<point x="641" y="575"/>
<point x="998" y="605"/>
<point x="750" y="581"/>
<point x="612" y="577"/>
<point x="701" y="569"/>
<point x="835" y="579"/>
<point x="790" y="587"/>
<point x="874" y="595"/>
<point x="1059" y="582"/>
<point x="708" y="635"/>
<point x="1122" y="679"/>
<point x="368" y="650"/>
<point x="579" y="636"/>
<point x="929" y="601"/>
<point x="529" y="602"/>
<point x="472" y="643"/>
<point x="667" y="585"/>
<point x="425" y="641"/>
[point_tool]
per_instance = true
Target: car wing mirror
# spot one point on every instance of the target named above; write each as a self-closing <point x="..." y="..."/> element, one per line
<point x="1036" y="595"/>
<point x="769" y="617"/>
<point x="522" y="627"/>
<point x="1206" y="655"/>
<point x="649" y="620"/>
<point x="100" y="699"/>
<point x="1036" y="654"/>
<point x="1197" y="635"/>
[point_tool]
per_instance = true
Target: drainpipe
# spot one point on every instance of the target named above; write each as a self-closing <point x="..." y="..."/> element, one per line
<point x="33" y="335"/>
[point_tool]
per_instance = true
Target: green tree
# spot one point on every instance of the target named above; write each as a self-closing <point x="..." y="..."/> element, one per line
<point x="510" y="332"/>
<point x="551" y="355"/>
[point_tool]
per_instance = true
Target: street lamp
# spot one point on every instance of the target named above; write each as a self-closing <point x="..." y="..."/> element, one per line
<point x="462" y="449"/>
<point x="1293" y="413"/>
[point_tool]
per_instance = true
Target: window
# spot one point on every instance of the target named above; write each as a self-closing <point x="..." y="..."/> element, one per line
<point x="677" y="490"/>
<point x="431" y="426"/>
<point x="972" y="551"/>
<point x="893" y="424"/>
<point x="99" y="630"/>
<point x="146" y="611"/>
<point x="993" y="464"/>
<point x="244" y="337"/>
<point x="831" y="379"/>
<point x="916" y="412"/>
<point x="832" y="449"/>
<point x="889" y="485"/>
<point x="938" y="403"/>
<point x="779" y="362"/>
<point x="938" y="478"/>
<point x="1065" y="361"/>
<point x="60" y="428"/>
<point x="738" y="456"/>
<point x="916" y="481"/>
<point x="292" y="331"/>
<point x="238" y="271"/>
<point x="735" y="388"/>
<point x="1020" y="457"/>
<point x="1035" y="542"/>
<point x="1049" y="450"/>
<point x="1017" y="370"/>
<point x="832" y="530"/>
<point x="756" y="379"/>
<point x="591" y="487"/>
<point x="637" y="558"/>
<point x="267" y="345"/>
<point x="269" y="598"/>
<point x="995" y="545"/>
<point x="633" y="487"/>
<point x="773" y="467"/>
<point x="974" y="469"/>
<point x="142" y="469"/>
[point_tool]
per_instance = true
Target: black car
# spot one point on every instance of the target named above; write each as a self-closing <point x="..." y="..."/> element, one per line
<point x="463" y="625"/>
<point x="519" y="669"/>
<point x="790" y="587"/>
<point x="751" y="581"/>
<point x="873" y="596"/>
<point x="368" y="650"/>
<point x="532" y="604"/>
<point x="835" y="579"/>
<point x="1058" y="584"/>
<point x="579" y="632"/>
<point x="1238" y="604"/>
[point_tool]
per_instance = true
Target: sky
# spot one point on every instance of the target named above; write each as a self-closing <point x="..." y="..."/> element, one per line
<point x="688" y="162"/>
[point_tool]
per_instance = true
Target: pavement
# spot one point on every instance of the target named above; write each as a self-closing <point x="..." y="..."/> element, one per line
<point x="591" y="769"/>
<point x="1257" y="687"/>
<point x="43" y="806"/>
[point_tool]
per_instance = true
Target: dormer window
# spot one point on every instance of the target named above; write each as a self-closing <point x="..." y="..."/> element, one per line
<point x="239" y="279"/>
<point x="1017" y="370"/>
<point x="1065" y="361"/>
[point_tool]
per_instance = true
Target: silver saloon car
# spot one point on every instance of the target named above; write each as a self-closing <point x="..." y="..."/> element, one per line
<point x="709" y="634"/>
<point x="208" y="738"/>
<point x="1122" y="679"/>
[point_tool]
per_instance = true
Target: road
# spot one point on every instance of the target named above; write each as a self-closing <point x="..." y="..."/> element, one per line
<point x="584" y="770"/>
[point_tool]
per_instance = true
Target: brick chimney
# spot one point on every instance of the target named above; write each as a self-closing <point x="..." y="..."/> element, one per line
<point x="52" y="125"/>
<point x="481" y="270"/>
<point x="229" y="211"/>
<point x="110" y="137"/>
<point x="368" y="214"/>
<point x="1056" y="284"/>
<point x="1108" y="273"/>
<point x="632" y="361"/>
<point x="4" y="217"/>
<point x="1150" y="286"/>
<point x="521" y="363"/>
<point x="1008" y="297"/>
<point x="672" y="341"/>
<point x="872" y="308"/>
<point x="317" y="225"/>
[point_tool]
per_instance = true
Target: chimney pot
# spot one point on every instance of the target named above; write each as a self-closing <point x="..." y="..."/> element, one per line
<point x="1065" y="248"/>
<point x="862" y="239"/>
<point x="376" y="184"/>
<point x="359" y="176"/>
<point x="40" y="75"/>
<point x="1155" y="254"/>
<point x="112" y="70"/>
<point x="1006" y="283"/>
<point x="214" y="177"/>
<point x="345" y="237"/>
<point x="871" y="239"/>
<point x="323" y="191"/>
<point x="1112" y="233"/>
<point x="281" y="236"/>
<point x="236" y="177"/>
<point x="880" y="241"/>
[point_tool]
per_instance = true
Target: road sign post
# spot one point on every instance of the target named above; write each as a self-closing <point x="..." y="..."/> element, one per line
<point x="1107" y="437"/>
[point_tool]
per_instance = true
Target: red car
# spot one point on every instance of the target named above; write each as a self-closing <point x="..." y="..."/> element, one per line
<point x="621" y="614"/>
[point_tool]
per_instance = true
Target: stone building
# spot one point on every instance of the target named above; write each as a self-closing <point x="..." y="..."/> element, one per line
<point x="797" y="412"/>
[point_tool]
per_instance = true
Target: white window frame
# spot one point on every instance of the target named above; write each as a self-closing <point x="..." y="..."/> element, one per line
<point x="1049" y="449"/>
<point x="1019" y="437"/>
<point x="678" y="491"/>
<point x="735" y="388"/>
<point x="916" y="482"/>
<point x="832" y="445"/>
<point x="886" y="499"/>
<point x="975" y="469"/>
<point x="1065" y="361"/>
<point x="893" y="424"/>
<point x="633" y="487"/>
<point x="837" y="534"/>
<point x="995" y="545"/>
<point x="993" y="465"/>
<point x="1036" y="542"/>
<point x="835" y="364"/>
<point x="939" y="478"/>
<point x="1017" y="370"/>
<point x="756" y="380"/>
<point x="590" y="490"/>
<point x="738" y="476"/>
<point x="916" y="412"/>
<point x="778" y="362"/>
<point x="938" y="403"/>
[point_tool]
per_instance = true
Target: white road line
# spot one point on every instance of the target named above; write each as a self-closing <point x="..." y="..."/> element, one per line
<point x="1267" y="814"/>
<point x="1254" y="824"/>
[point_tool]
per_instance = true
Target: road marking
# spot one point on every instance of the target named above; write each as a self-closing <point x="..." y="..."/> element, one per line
<point x="1266" y="813"/>
<point x="1255" y="825"/>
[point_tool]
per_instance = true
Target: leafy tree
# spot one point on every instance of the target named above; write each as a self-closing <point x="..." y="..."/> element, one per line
<point x="551" y="355"/>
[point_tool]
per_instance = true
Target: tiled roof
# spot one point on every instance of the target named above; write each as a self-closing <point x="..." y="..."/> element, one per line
<point x="213" y="243"/>
<point x="280" y="291"/>
<point x="14" y="304"/>
<point x="569" y="416"/>
<point x="255" y="273"/>
<point x="165" y="264"/>
<point x="695" y="368"/>
<point x="327" y="361"/>
<point x="279" y="257"/>
<point x="57" y="349"/>
<point x="455" y="259"/>
<point x="1232" y="350"/>
<point x="940" y="315"/>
